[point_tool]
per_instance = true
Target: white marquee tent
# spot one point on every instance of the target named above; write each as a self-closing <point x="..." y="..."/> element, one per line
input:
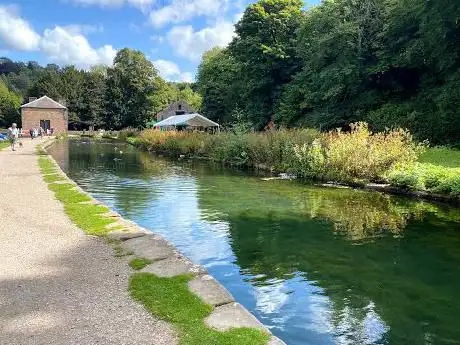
<point x="188" y="120"/>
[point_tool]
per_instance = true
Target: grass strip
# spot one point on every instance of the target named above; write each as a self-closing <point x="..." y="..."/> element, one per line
<point x="442" y="156"/>
<point x="139" y="263"/>
<point x="88" y="217"/>
<point x="170" y="299"/>
<point x="4" y="145"/>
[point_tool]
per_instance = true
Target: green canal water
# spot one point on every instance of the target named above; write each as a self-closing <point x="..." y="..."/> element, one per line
<point x="316" y="265"/>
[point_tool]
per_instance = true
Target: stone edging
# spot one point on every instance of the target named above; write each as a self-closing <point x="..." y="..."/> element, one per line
<point x="168" y="262"/>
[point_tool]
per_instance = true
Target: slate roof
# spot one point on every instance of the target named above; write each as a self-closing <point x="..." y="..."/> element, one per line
<point x="194" y="120"/>
<point x="45" y="103"/>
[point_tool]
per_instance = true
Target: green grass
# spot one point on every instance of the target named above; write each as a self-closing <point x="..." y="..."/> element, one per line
<point x="46" y="165"/>
<point x="4" y="145"/>
<point x="171" y="300"/>
<point x="51" y="178"/>
<point x="139" y="263"/>
<point x="442" y="156"/>
<point x="88" y="217"/>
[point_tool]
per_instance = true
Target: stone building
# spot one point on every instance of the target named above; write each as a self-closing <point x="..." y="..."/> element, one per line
<point x="46" y="113"/>
<point x="177" y="108"/>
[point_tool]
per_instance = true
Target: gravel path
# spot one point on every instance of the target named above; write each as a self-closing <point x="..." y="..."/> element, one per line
<point x="57" y="285"/>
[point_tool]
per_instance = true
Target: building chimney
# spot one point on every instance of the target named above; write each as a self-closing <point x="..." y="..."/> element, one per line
<point x="31" y="99"/>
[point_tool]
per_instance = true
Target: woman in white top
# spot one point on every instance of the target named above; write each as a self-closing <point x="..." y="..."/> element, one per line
<point x="13" y="135"/>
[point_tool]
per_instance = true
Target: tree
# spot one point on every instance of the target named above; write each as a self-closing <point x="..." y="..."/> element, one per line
<point x="9" y="106"/>
<point x="72" y="81"/>
<point x="264" y="47"/>
<point x="130" y="89"/>
<point x="191" y="97"/>
<point x="92" y="111"/>
<point x="49" y="83"/>
<point x="217" y="82"/>
<point x="338" y="43"/>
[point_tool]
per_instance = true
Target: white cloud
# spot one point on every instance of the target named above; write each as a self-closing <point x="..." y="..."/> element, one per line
<point x="183" y="10"/>
<point x="170" y="71"/>
<point x="63" y="45"/>
<point x="192" y="44"/>
<point x="167" y="69"/>
<point x="15" y="32"/>
<point x="142" y="4"/>
<point x="187" y="77"/>
<point x="67" y="47"/>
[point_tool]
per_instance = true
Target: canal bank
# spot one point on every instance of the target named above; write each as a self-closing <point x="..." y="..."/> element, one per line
<point x="224" y="318"/>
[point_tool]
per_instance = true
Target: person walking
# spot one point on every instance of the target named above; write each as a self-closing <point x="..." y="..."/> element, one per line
<point x="13" y="135"/>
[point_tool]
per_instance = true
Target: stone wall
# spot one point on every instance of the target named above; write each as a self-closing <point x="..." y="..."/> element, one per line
<point x="58" y="118"/>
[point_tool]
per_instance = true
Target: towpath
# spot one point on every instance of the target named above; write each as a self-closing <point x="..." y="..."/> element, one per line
<point x="57" y="285"/>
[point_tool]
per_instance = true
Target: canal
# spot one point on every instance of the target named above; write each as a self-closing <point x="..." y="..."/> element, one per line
<point x="316" y="265"/>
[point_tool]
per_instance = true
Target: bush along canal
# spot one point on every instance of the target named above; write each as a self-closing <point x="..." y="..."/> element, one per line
<point x="315" y="265"/>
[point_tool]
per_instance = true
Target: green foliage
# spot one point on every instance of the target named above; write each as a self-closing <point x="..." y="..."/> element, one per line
<point x="88" y="217"/>
<point x="264" y="47"/>
<point x="126" y="133"/>
<point x="427" y="177"/>
<point x="443" y="156"/>
<point x="391" y="63"/>
<point x="9" y="106"/>
<point x="358" y="155"/>
<point x="191" y="97"/>
<point x="270" y="150"/>
<point x="217" y="84"/>
<point x="171" y="300"/>
<point x="130" y="89"/>
<point x="139" y="263"/>
<point x="4" y="145"/>
<point x="92" y="110"/>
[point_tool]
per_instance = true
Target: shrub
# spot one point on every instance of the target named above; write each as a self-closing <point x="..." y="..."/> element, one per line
<point x="273" y="149"/>
<point x="310" y="160"/>
<point x="358" y="154"/>
<point x="427" y="177"/>
<point x="127" y="133"/>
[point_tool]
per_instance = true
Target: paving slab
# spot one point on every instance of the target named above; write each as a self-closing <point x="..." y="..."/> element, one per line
<point x="150" y="247"/>
<point x="125" y="235"/>
<point x="169" y="267"/>
<point x="233" y="315"/>
<point x="210" y="290"/>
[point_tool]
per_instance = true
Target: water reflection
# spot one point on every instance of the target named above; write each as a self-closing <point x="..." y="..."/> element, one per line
<point x="317" y="265"/>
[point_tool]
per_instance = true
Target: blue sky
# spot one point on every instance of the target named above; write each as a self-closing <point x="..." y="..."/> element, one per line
<point x="172" y="33"/>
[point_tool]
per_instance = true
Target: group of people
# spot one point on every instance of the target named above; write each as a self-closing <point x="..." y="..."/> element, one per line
<point x="14" y="133"/>
<point x="35" y="132"/>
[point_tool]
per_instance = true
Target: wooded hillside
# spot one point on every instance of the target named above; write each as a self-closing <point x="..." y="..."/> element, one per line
<point x="388" y="62"/>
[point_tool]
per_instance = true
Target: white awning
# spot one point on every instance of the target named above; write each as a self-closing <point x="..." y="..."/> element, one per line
<point x="191" y="120"/>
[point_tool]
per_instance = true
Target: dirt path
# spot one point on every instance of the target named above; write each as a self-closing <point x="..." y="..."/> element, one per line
<point x="57" y="285"/>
